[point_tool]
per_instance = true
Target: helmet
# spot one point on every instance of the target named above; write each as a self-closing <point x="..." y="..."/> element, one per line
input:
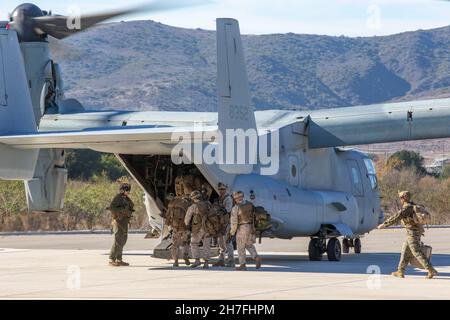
<point x="238" y="194"/>
<point x="125" y="187"/>
<point x="222" y="186"/>
<point x="405" y="195"/>
<point x="196" y="195"/>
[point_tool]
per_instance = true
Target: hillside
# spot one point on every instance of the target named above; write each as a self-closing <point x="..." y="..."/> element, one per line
<point x="144" y="65"/>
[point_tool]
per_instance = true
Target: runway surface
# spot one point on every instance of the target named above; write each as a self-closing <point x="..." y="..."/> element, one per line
<point x="75" y="267"/>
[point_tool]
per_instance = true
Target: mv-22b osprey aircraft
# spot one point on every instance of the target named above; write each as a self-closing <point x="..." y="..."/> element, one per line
<point x="312" y="186"/>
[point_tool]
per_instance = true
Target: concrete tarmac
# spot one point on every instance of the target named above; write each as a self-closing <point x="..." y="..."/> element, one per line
<point x="75" y="267"/>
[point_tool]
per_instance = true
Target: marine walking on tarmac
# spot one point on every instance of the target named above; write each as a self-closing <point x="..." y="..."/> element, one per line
<point x="413" y="218"/>
<point x="195" y="218"/>
<point x="121" y="207"/>
<point x="223" y="206"/>
<point x="243" y="226"/>
<point x="176" y="213"/>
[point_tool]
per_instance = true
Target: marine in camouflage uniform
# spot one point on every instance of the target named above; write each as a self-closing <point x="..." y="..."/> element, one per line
<point x="180" y="233"/>
<point x="121" y="209"/>
<point x="225" y="202"/>
<point x="194" y="218"/>
<point x="414" y="231"/>
<point x="242" y="225"/>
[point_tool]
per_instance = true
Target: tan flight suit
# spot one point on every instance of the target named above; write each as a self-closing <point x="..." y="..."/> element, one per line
<point x="194" y="217"/>
<point x="242" y="226"/>
<point x="224" y="241"/>
<point x="121" y="209"/>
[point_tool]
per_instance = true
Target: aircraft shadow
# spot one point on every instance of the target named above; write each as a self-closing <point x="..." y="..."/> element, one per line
<point x="364" y="263"/>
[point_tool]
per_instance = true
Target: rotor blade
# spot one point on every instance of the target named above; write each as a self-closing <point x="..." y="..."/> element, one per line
<point x="61" y="27"/>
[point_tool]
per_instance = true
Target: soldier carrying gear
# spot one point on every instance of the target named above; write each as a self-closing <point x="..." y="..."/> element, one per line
<point x="224" y="207"/>
<point x="411" y="247"/>
<point x="195" y="217"/>
<point x="176" y="212"/>
<point x="242" y="225"/>
<point x="121" y="209"/>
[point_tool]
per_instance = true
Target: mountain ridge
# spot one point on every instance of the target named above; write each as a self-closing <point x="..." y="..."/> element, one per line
<point x="145" y="65"/>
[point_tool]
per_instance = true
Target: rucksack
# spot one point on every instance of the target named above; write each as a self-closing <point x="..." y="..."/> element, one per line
<point x="421" y="215"/>
<point x="224" y="216"/>
<point x="262" y="219"/>
<point x="212" y="221"/>
<point x="176" y="213"/>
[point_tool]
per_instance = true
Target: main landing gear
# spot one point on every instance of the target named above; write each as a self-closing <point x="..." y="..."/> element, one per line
<point x="318" y="246"/>
<point x="351" y="243"/>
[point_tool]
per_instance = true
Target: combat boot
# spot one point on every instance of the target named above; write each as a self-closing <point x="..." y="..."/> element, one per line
<point x="242" y="267"/>
<point x="113" y="263"/>
<point x="258" y="262"/>
<point x="398" y="274"/>
<point x="206" y="265"/>
<point x="122" y="263"/>
<point x="431" y="273"/>
<point x="219" y="263"/>
<point x="186" y="261"/>
<point x="196" y="263"/>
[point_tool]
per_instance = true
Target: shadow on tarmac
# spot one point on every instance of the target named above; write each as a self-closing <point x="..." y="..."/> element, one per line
<point x="364" y="263"/>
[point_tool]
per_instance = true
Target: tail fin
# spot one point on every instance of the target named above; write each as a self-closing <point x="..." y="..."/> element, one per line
<point x="234" y="105"/>
<point x="16" y="110"/>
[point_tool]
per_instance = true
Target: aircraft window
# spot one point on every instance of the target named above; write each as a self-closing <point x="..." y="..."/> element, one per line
<point x="370" y="167"/>
<point x="372" y="173"/>
<point x="355" y="175"/>
<point x="373" y="181"/>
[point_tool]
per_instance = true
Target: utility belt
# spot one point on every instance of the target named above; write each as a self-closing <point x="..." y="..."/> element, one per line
<point x="121" y="214"/>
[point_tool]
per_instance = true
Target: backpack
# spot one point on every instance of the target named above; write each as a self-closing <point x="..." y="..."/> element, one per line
<point x="176" y="213"/>
<point x="224" y="216"/>
<point x="212" y="221"/>
<point x="262" y="220"/>
<point x="421" y="215"/>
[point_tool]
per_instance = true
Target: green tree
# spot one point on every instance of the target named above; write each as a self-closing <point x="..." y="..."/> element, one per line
<point x="406" y="159"/>
<point x="84" y="164"/>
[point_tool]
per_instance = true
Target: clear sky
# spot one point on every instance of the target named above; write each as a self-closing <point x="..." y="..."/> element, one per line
<point x="331" y="17"/>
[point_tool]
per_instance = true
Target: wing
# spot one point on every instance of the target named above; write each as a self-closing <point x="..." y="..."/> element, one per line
<point x="415" y="120"/>
<point x="142" y="140"/>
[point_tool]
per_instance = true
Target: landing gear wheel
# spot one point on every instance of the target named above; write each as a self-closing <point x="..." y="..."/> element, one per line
<point x="345" y="246"/>
<point x="334" y="251"/>
<point x="315" y="250"/>
<point x="357" y="245"/>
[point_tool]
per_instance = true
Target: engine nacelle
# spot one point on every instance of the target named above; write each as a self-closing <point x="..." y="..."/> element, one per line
<point x="45" y="192"/>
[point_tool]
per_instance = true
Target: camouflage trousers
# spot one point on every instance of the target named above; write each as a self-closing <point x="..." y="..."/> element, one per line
<point x="245" y="240"/>
<point x="120" y="231"/>
<point x="411" y="248"/>
<point x="180" y="241"/>
<point x="196" y="238"/>
<point x="226" y="247"/>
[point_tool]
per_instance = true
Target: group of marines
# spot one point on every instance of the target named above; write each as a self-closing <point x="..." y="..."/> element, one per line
<point x="194" y="219"/>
